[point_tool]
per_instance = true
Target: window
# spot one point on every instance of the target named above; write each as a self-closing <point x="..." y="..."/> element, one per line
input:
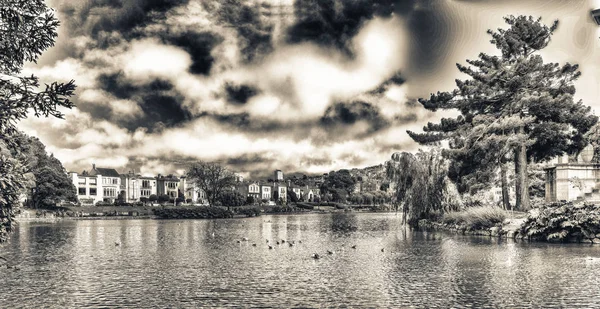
<point x="145" y="183"/>
<point x="81" y="191"/>
<point x="171" y="185"/>
<point x="115" y="181"/>
<point x="81" y="180"/>
<point x="92" y="181"/>
<point x="92" y="191"/>
<point x="110" y="192"/>
<point x="145" y="193"/>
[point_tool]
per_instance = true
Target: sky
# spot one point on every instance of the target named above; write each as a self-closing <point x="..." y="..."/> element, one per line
<point x="299" y="85"/>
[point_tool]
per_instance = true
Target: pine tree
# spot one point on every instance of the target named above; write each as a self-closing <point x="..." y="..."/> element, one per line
<point x="514" y="108"/>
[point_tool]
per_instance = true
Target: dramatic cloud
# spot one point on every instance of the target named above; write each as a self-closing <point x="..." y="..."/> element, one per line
<point x="303" y="86"/>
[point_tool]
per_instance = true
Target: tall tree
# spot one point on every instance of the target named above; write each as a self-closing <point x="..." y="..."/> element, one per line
<point x="211" y="178"/>
<point x="421" y="184"/>
<point x="46" y="172"/>
<point x="232" y="198"/>
<point x="28" y="28"/>
<point x="514" y="108"/>
<point x="338" y="180"/>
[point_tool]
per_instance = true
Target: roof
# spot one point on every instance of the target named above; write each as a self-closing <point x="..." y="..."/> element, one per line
<point x="168" y="178"/>
<point x="110" y="172"/>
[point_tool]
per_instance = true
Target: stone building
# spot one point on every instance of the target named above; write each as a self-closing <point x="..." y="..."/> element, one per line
<point x="574" y="179"/>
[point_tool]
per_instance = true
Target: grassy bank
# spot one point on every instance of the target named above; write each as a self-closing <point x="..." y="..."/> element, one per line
<point x="481" y="220"/>
<point x="476" y="218"/>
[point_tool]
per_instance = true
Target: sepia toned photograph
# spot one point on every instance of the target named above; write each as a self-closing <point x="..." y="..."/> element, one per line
<point x="299" y="154"/>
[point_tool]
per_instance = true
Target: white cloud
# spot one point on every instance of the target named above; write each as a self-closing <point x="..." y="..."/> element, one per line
<point x="147" y="59"/>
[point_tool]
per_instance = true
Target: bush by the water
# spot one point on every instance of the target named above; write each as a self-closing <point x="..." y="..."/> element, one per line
<point x="280" y="209"/>
<point x="249" y="211"/>
<point x="305" y="206"/>
<point x="476" y="218"/>
<point x="563" y="221"/>
<point x="193" y="213"/>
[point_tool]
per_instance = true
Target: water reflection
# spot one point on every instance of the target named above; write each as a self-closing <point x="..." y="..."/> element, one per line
<point x="147" y="263"/>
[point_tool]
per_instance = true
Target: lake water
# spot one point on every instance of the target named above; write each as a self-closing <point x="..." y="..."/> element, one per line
<point x="199" y="263"/>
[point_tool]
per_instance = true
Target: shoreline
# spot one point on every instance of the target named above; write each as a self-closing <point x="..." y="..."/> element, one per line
<point x="51" y="216"/>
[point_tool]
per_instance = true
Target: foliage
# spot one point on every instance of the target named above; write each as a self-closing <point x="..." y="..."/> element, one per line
<point x="514" y="108"/>
<point x="421" y="184"/>
<point x="281" y="209"/>
<point x="232" y="198"/>
<point x="370" y="198"/>
<point x="153" y="198"/>
<point x="104" y="203"/>
<point x="593" y="138"/>
<point x="193" y="213"/>
<point x="51" y="188"/>
<point x="250" y="200"/>
<point x="249" y="211"/>
<point x="305" y="206"/>
<point x="339" y="195"/>
<point x="163" y="198"/>
<point x="28" y="28"/>
<point x="338" y="180"/>
<point x="476" y="218"/>
<point x="211" y="178"/>
<point x="563" y="221"/>
<point x="292" y="196"/>
<point x="49" y="183"/>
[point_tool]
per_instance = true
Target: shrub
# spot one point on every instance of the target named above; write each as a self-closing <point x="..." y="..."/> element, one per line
<point x="476" y="218"/>
<point x="193" y="213"/>
<point x="305" y="206"/>
<point x="163" y="198"/>
<point x="249" y="211"/>
<point x="280" y="209"/>
<point x="563" y="221"/>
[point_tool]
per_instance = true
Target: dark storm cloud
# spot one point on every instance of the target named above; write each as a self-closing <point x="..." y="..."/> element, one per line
<point x="198" y="45"/>
<point x="254" y="29"/>
<point x="159" y="102"/>
<point x="333" y="23"/>
<point x="92" y="17"/>
<point x="111" y="21"/>
<point x="395" y="80"/>
<point x="264" y="128"/>
<point x="239" y="94"/>
<point x="349" y="113"/>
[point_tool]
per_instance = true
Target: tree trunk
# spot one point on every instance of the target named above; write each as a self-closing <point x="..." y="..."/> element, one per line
<point x="504" y="179"/>
<point x="521" y="183"/>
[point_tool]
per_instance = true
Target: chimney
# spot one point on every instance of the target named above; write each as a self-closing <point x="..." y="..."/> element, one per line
<point x="93" y="166"/>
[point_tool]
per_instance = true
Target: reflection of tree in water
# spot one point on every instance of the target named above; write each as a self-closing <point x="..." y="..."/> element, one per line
<point x="344" y="223"/>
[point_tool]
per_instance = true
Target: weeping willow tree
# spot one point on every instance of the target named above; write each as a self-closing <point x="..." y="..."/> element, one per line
<point x="422" y="187"/>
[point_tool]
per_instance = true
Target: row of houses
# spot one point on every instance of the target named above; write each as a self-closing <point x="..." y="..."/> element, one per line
<point x="108" y="185"/>
<point x="261" y="191"/>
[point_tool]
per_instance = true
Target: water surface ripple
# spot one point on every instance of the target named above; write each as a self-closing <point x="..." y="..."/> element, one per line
<point x="200" y="263"/>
